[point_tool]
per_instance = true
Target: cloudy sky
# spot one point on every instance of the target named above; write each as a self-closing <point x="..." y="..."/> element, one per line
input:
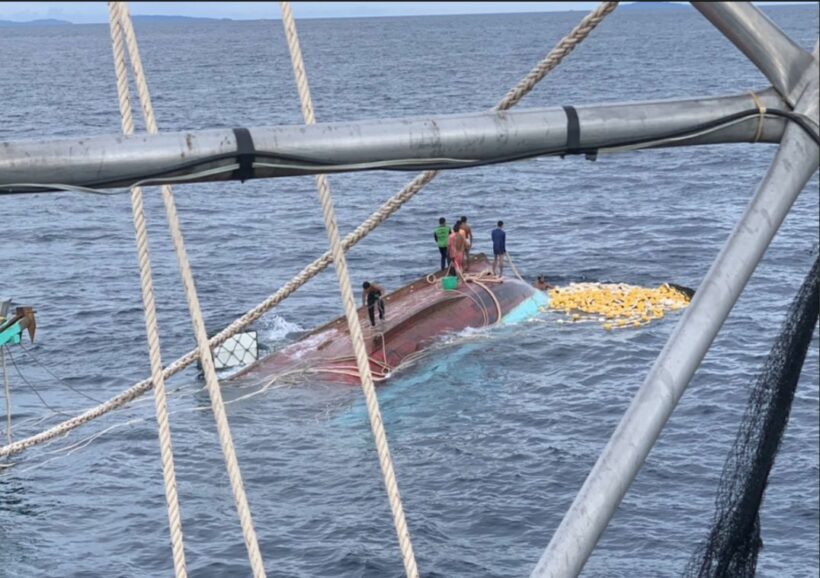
<point x="82" y="12"/>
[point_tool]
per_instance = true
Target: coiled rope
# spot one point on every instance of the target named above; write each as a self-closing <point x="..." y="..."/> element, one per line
<point x="120" y="12"/>
<point x="148" y="304"/>
<point x="564" y="47"/>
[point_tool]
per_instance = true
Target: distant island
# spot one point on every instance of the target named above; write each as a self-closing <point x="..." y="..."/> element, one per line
<point x="630" y="7"/>
<point x="135" y="18"/>
<point x="43" y="22"/>
<point x="655" y="6"/>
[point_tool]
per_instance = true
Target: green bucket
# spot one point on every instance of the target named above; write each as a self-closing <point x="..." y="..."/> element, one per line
<point x="449" y="283"/>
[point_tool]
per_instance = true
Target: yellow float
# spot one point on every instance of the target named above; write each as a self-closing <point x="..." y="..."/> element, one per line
<point x="616" y="306"/>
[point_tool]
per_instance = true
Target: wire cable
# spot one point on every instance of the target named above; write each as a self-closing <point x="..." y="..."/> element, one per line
<point x="285" y="162"/>
<point x="28" y="383"/>
<point x="51" y="373"/>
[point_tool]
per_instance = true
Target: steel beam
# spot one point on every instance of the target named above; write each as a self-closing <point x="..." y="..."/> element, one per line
<point x="776" y="55"/>
<point x="794" y="164"/>
<point x="418" y="142"/>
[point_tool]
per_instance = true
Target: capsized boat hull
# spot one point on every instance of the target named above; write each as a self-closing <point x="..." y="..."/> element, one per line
<point x="417" y="315"/>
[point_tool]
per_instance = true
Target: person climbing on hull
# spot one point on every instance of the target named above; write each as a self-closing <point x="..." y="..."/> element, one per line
<point x="372" y="296"/>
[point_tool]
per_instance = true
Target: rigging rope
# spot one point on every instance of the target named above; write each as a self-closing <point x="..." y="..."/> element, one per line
<point x="514" y="268"/>
<point x="576" y="36"/>
<point x="6" y="390"/>
<point x="204" y="351"/>
<point x="115" y="17"/>
<point x="376" y="424"/>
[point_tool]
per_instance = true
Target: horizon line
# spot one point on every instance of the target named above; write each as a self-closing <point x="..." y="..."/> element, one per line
<point x="563" y="9"/>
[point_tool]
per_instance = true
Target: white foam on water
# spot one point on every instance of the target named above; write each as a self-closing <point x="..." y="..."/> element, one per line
<point x="275" y="328"/>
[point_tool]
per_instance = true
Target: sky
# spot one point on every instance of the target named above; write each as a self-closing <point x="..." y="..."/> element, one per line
<point x="88" y="12"/>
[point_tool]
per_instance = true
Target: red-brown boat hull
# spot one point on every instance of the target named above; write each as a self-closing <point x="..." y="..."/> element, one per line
<point x="417" y="315"/>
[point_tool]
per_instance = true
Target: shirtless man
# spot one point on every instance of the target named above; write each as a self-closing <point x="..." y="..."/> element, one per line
<point x="541" y="283"/>
<point x="456" y="245"/>
<point x="467" y="233"/>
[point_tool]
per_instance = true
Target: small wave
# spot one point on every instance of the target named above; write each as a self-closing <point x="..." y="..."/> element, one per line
<point x="275" y="328"/>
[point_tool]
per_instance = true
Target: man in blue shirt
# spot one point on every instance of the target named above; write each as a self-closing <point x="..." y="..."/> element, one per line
<point x="499" y="248"/>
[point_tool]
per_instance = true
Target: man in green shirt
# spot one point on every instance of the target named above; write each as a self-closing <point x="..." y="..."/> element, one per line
<point x="441" y="234"/>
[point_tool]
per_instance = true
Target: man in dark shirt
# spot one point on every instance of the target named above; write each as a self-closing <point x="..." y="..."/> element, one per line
<point x="372" y="294"/>
<point x="499" y="248"/>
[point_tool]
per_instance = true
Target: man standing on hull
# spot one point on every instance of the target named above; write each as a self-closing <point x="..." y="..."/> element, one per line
<point x="441" y="235"/>
<point x="467" y="233"/>
<point x="371" y="295"/>
<point x="456" y="246"/>
<point x="499" y="248"/>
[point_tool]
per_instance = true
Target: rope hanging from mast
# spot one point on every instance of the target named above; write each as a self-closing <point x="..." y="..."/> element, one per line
<point x="116" y="12"/>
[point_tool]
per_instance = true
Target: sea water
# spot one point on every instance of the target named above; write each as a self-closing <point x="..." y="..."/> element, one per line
<point x="492" y="434"/>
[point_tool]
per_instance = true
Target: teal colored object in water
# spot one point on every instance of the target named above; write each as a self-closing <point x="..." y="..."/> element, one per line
<point x="527" y="309"/>
<point x="11" y="334"/>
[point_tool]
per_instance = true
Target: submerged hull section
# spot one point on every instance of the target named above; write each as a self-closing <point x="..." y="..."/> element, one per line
<point x="417" y="315"/>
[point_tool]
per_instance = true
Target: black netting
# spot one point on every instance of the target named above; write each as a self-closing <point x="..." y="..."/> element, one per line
<point x="734" y="540"/>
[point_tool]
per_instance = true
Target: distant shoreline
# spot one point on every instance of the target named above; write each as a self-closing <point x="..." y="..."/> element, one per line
<point x="655" y="7"/>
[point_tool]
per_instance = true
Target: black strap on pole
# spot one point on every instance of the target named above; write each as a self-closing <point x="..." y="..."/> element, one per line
<point x="245" y="154"/>
<point x="573" y="131"/>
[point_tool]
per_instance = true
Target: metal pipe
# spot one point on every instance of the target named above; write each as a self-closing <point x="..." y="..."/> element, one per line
<point x="120" y="160"/>
<point x="794" y="164"/>
<point x="777" y="56"/>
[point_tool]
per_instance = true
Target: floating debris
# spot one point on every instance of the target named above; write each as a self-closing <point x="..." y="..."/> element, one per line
<point x="616" y="306"/>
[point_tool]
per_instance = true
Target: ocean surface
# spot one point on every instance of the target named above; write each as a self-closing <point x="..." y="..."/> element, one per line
<point x="495" y="432"/>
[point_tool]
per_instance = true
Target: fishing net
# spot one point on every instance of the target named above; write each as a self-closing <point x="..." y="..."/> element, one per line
<point x="734" y="541"/>
<point x="618" y="305"/>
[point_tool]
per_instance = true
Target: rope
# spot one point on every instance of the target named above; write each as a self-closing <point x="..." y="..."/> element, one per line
<point x="115" y="15"/>
<point x="367" y="226"/>
<point x="63" y="382"/>
<point x="204" y="352"/>
<point x="385" y="461"/>
<point x="494" y="298"/>
<point x="514" y="268"/>
<point x="6" y="390"/>
<point x="480" y="280"/>
<point x="31" y="385"/>
<point x="557" y="54"/>
<point x="762" y="110"/>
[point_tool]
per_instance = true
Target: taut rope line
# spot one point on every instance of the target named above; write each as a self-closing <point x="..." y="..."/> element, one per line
<point x="578" y="34"/>
<point x="204" y="351"/>
<point x="6" y="391"/>
<point x="376" y="424"/>
<point x="149" y="308"/>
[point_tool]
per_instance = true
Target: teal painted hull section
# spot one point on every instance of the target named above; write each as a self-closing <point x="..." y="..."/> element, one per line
<point x="527" y="309"/>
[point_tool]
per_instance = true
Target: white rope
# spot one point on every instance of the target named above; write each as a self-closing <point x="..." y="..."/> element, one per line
<point x="223" y="428"/>
<point x="374" y="220"/>
<point x="385" y="461"/>
<point x="556" y="55"/>
<point x="149" y="308"/>
<point x="513" y="267"/>
<point x="8" y="396"/>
